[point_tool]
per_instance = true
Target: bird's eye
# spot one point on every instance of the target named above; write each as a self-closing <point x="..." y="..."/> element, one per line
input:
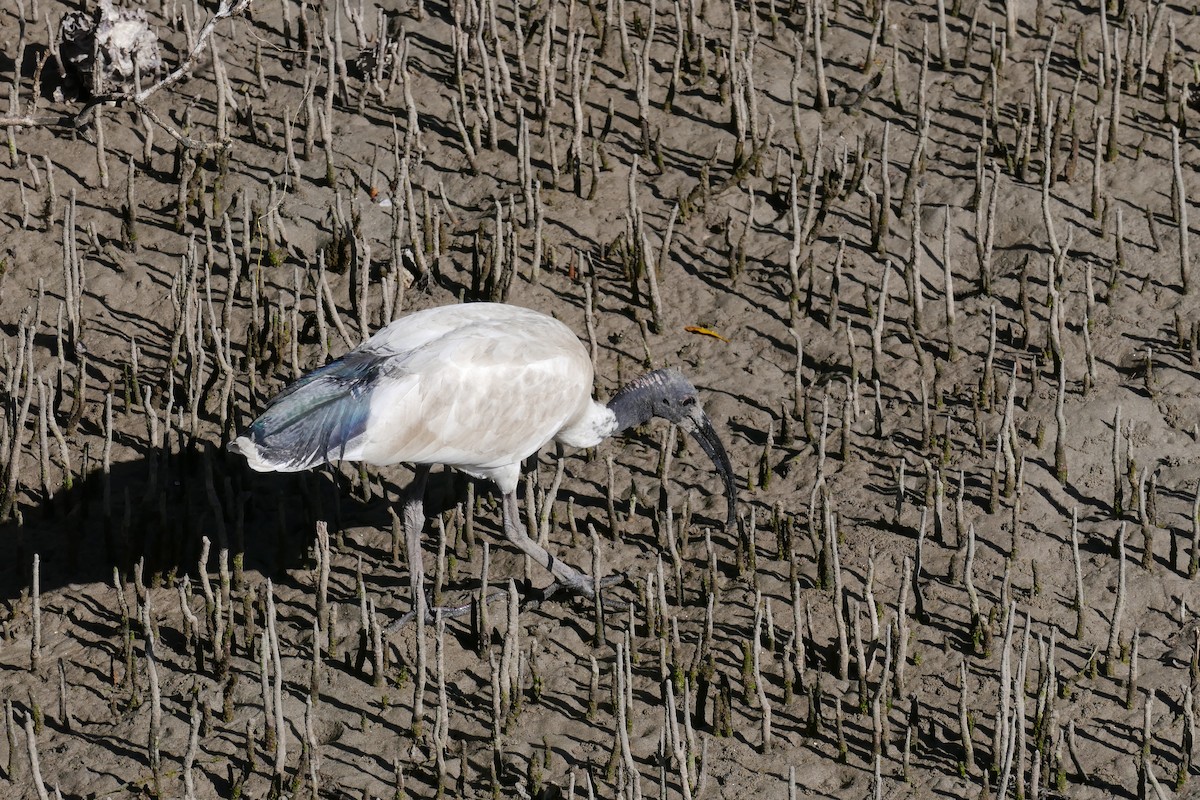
<point x="689" y="401"/>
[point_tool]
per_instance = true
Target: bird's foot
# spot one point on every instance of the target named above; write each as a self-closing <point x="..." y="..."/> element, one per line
<point x="431" y="615"/>
<point x="586" y="587"/>
<point x="446" y="612"/>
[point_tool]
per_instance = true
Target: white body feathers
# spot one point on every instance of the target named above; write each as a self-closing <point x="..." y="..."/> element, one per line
<point x="479" y="387"/>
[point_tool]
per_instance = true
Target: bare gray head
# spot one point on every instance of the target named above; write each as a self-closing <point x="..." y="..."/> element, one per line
<point x="666" y="393"/>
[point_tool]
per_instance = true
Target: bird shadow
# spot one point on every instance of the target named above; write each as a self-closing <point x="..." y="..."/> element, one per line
<point x="158" y="508"/>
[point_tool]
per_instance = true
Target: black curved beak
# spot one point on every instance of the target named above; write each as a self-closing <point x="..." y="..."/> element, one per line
<point x="700" y="427"/>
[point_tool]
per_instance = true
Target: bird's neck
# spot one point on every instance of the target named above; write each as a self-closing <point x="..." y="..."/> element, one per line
<point x="630" y="406"/>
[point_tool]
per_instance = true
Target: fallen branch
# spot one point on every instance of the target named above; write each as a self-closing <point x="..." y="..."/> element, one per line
<point x="227" y="9"/>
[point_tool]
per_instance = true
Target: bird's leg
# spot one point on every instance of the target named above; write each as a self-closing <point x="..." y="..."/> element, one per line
<point x="566" y="575"/>
<point x="414" y="524"/>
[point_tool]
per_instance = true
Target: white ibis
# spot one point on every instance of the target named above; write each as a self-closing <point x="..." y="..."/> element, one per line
<point x="479" y="387"/>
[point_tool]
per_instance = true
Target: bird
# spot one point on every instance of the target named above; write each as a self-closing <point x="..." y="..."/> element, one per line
<point x="478" y="387"/>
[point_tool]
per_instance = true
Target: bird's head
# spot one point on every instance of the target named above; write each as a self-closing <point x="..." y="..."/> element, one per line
<point x="667" y="394"/>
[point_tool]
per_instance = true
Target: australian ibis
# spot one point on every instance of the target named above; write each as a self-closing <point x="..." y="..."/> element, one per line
<point x="478" y="387"/>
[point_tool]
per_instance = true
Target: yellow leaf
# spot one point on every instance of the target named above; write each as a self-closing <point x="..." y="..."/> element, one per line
<point x="705" y="332"/>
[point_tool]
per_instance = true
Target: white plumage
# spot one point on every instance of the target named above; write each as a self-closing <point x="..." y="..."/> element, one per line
<point x="446" y="393"/>
<point x="479" y="387"/>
